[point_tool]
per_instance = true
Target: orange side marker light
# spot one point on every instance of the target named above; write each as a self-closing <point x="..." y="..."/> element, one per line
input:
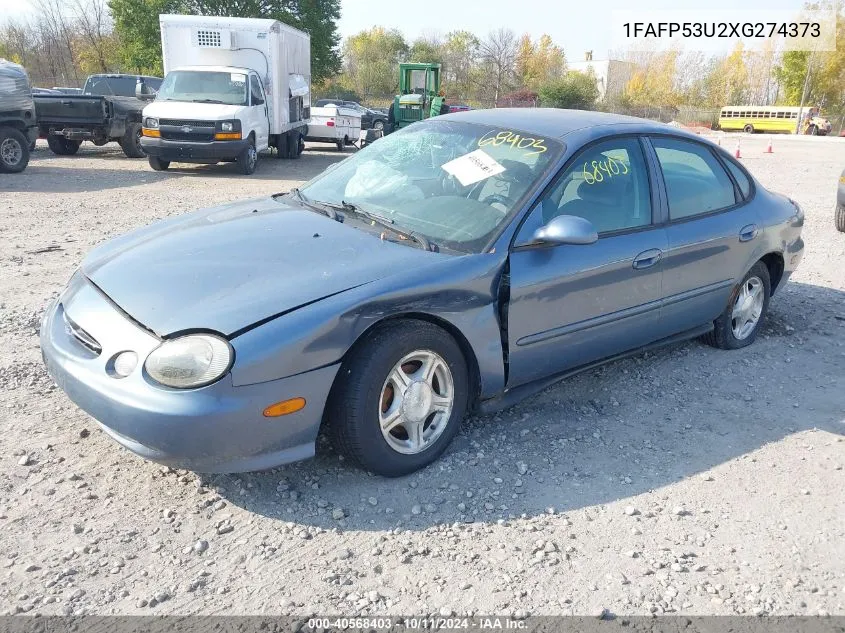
<point x="284" y="407"/>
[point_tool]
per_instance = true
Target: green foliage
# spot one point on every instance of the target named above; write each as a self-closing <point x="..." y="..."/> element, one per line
<point x="335" y="88"/>
<point x="136" y="25"/>
<point x="371" y="59"/>
<point x="426" y="52"/>
<point x="573" y="90"/>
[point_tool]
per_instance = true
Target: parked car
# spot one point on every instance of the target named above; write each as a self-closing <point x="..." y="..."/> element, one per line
<point x="370" y="119"/>
<point x="17" y="118"/>
<point x="44" y="91"/>
<point x="68" y="91"/>
<point x="461" y="264"/>
<point x="840" y="203"/>
<point x="108" y="110"/>
<point x="336" y="124"/>
<point x="458" y="107"/>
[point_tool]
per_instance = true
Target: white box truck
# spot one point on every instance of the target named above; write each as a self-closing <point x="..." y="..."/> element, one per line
<point x="232" y="88"/>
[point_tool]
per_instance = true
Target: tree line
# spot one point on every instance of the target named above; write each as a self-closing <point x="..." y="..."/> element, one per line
<point x="66" y="40"/>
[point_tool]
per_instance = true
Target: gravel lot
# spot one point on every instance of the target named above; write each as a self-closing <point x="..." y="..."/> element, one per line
<point x="689" y="480"/>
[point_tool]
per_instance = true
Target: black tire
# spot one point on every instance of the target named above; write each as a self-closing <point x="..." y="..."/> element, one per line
<point x="839" y="219"/>
<point x="14" y="151"/>
<point x="378" y="125"/>
<point x="352" y="411"/>
<point x="813" y="130"/>
<point x="339" y="145"/>
<point x="158" y="164"/>
<point x="283" y="145"/>
<point x="61" y="146"/>
<point x="294" y="140"/>
<point x="248" y="159"/>
<point x="32" y="146"/>
<point x="131" y="141"/>
<point x="723" y="335"/>
<point x="748" y="129"/>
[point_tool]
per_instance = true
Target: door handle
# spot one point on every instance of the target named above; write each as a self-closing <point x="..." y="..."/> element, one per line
<point x="647" y="258"/>
<point x="748" y="233"/>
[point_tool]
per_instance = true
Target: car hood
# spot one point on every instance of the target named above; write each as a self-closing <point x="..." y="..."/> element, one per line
<point x="192" y="111"/>
<point x="231" y="267"/>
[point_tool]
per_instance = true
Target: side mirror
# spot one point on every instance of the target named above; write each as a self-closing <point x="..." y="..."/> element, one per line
<point x="567" y="229"/>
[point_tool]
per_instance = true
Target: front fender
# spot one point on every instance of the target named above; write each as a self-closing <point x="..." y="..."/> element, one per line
<point x="461" y="291"/>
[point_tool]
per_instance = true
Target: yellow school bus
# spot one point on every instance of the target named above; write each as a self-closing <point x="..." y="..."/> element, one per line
<point x="752" y="119"/>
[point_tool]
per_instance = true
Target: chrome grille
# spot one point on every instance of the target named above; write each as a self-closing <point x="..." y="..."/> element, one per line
<point x="86" y="340"/>
<point x="181" y="122"/>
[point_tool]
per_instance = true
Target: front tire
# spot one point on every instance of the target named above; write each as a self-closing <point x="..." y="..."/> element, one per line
<point x="131" y="142"/>
<point x="14" y="151"/>
<point x="157" y="164"/>
<point x="748" y="129"/>
<point x="399" y="398"/>
<point x="378" y="125"/>
<point x="745" y="313"/>
<point x="248" y="159"/>
<point x="839" y="219"/>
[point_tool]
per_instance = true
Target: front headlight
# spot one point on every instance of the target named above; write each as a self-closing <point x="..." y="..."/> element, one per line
<point x="227" y="126"/>
<point x="151" y="123"/>
<point x="190" y="361"/>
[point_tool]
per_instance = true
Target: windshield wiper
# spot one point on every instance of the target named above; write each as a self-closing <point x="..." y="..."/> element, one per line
<point x="206" y="101"/>
<point x="386" y="223"/>
<point x="314" y="206"/>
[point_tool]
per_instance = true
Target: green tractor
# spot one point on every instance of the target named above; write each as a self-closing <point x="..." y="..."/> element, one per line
<point x="419" y="94"/>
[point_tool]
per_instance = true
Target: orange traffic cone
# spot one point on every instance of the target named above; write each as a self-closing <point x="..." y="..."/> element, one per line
<point x="769" y="148"/>
<point x="737" y="152"/>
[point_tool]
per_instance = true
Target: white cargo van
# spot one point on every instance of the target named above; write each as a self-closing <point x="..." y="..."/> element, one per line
<point x="334" y="124"/>
<point x="232" y="88"/>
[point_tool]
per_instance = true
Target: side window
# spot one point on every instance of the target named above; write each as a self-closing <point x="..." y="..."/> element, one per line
<point x="695" y="181"/>
<point x="606" y="184"/>
<point x="255" y="89"/>
<point x="740" y="177"/>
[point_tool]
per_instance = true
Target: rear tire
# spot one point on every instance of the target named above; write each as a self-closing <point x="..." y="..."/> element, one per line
<point x="294" y="144"/>
<point x="339" y="145"/>
<point x="61" y="146"/>
<point x="131" y="142"/>
<point x="14" y="151"/>
<point x="357" y="405"/>
<point x="840" y="218"/>
<point x="748" y="129"/>
<point x="157" y="164"/>
<point x="734" y="328"/>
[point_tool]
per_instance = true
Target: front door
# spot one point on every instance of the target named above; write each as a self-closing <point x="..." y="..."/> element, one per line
<point x="574" y="304"/>
<point x="258" y="114"/>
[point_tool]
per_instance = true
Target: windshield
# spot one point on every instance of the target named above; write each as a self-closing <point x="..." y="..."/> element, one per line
<point x="452" y="182"/>
<point x="202" y="86"/>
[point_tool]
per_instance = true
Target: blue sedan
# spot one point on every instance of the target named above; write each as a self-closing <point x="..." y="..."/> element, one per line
<point x="458" y="265"/>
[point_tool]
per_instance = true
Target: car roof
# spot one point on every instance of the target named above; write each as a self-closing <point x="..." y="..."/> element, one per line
<point x="558" y="123"/>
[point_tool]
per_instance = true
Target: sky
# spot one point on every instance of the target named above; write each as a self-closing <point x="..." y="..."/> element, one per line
<point x="577" y="26"/>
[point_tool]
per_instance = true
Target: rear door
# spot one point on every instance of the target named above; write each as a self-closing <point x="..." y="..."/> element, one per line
<point x="571" y="305"/>
<point x="712" y="232"/>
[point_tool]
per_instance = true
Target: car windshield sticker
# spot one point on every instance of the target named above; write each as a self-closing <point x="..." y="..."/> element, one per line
<point x="473" y="167"/>
<point x="528" y="144"/>
<point x="601" y="170"/>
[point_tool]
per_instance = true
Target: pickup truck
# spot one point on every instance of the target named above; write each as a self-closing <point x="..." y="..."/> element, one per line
<point x="109" y="109"/>
<point x="17" y="118"/>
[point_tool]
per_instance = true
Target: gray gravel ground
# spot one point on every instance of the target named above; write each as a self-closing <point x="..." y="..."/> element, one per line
<point x="689" y="480"/>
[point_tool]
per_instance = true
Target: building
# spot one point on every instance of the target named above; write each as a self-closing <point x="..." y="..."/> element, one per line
<point x="612" y="75"/>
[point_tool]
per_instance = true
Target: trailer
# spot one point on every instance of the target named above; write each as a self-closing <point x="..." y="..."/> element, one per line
<point x="334" y="124"/>
<point x="233" y="87"/>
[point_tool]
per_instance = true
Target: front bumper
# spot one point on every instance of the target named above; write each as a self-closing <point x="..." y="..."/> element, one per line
<point x="217" y="429"/>
<point x="192" y="151"/>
